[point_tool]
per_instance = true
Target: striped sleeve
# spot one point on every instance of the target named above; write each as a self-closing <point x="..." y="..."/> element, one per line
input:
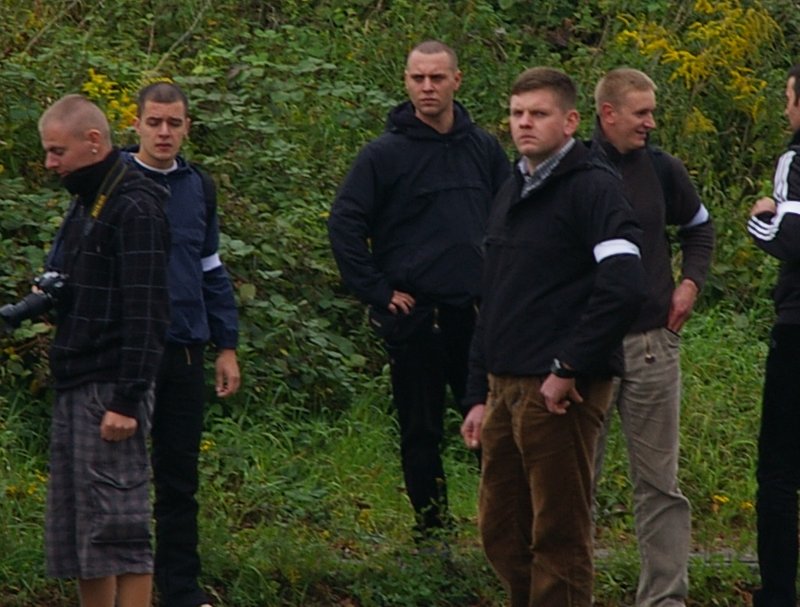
<point x="777" y="234"/>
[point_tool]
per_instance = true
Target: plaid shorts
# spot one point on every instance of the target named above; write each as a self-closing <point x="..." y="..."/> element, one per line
<point x="97" y="522"/>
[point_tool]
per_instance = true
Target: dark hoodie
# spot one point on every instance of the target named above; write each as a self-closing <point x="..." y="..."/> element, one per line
<point x="411" y="213"/>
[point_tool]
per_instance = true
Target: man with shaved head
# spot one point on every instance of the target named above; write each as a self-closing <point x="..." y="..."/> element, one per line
<point x="406" y="229"/>
<point x="109" y="337"/>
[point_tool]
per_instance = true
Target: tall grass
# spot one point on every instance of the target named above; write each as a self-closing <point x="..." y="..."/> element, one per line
<point x="302" y="509"/>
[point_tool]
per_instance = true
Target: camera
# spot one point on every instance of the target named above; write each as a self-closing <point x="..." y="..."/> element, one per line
<point x="51" y="291"/>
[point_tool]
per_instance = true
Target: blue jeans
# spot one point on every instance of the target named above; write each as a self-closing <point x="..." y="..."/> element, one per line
<point x="778" y="471"/>
<point x="177" y="428"/>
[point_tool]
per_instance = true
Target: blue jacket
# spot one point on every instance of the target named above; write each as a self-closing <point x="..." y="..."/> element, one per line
<point x="201" y="294"/>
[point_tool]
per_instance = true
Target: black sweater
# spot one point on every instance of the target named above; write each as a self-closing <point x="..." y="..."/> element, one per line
<point x="653" y="212"/>
<point x="778" y="234"/>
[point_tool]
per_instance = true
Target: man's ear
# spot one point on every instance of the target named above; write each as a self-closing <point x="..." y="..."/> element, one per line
<point x="607" y="112"/>
<point x="94" y="137"/>
<point x="572" y="122"/>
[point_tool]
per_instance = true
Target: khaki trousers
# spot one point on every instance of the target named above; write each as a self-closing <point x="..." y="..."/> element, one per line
<point x="536" y="490"/>
<point x="648" y="399"/>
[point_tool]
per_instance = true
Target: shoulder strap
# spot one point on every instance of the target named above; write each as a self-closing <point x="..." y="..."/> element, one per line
<point x="661" y="165"/>
<point x="209" y="190"/>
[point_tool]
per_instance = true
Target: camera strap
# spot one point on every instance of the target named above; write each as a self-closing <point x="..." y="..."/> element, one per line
<point x="110" y="182"/>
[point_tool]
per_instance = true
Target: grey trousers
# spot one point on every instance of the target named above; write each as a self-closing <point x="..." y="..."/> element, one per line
<point x="648" y="400"/>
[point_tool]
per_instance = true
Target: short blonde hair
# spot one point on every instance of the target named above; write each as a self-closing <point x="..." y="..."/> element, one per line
<point x="612" y="87"/>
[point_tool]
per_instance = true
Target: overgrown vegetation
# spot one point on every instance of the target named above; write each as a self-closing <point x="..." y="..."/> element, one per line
<point x="302" y="495"/>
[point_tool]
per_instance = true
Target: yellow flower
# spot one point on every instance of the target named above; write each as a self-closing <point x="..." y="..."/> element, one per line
<point x="697" y="122"/>
<point x="119" y="107"/>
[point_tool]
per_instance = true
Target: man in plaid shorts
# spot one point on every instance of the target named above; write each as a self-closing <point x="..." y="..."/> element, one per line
<point x="108" y="342"/>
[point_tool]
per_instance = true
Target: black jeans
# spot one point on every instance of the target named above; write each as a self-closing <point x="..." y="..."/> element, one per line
<point x="778" y="471"/>
<point x="422" y="366"/>
<point x="177" y="428"/>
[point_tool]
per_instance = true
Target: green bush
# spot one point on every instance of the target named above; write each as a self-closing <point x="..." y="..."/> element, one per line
<point x="300" y="472"/>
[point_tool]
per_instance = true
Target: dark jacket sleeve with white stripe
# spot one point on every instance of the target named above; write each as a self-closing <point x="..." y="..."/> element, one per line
<point x="778" y="234"/>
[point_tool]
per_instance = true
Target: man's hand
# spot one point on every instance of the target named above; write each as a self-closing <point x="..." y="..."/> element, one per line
<point x="559" y="393"/>
<point x="764" y="205"/>
<point x="116" y="427"/>
<point x="471" y="426"/>
<point x="401" y="302"/>
<point x="683" y="298"/>
<point x="228" y="378"/>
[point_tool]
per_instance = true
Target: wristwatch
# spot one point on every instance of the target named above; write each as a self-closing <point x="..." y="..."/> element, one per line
<point x="559" y="370"/>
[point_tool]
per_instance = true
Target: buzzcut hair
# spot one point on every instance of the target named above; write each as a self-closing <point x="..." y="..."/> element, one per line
<point x="794" y="72"/>
<point x="78" y="115"/>
<point x="537" y="78"/>
<point x="161" y="92"/>
<point x="617" y="83"/>
<point x="432" y="47"/>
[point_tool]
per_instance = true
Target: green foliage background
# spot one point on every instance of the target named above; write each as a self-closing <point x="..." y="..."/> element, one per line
<point x="300" y="492"/>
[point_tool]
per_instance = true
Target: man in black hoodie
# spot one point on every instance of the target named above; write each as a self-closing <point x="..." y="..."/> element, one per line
<point x="406" y="230"/>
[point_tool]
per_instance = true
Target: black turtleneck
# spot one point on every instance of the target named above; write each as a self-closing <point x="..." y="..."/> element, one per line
<point x="85" y="182"/>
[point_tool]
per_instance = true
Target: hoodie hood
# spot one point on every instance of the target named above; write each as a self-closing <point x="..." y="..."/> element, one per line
<point x="402" y="119"/>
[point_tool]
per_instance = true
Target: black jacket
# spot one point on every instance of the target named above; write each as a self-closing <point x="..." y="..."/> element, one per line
<point x="411" y="213"/>
<point x="551" y="287"/>
<point x="115" y="322"/>
<point x="778" y="234"/>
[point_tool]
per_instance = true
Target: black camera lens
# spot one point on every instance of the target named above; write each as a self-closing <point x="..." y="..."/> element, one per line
<point x="51" y="287"/>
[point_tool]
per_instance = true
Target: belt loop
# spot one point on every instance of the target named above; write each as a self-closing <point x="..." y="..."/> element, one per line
<point x="188" y="355"/>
